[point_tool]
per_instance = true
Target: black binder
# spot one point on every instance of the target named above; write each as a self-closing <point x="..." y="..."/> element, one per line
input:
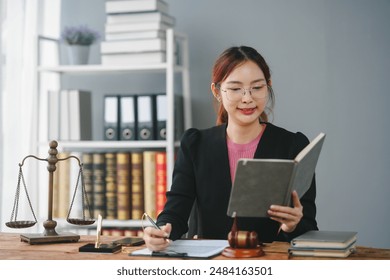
<point x="111" y="117"/>
<point x="161" y="111"/>
<point x="146" y="117"/>
<point x="128" y="118"/>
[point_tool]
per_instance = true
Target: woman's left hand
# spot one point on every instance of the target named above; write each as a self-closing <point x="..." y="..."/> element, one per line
<point x="288" y="217"/>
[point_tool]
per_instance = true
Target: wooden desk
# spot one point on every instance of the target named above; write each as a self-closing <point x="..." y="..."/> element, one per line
<point x="11" y="248"/>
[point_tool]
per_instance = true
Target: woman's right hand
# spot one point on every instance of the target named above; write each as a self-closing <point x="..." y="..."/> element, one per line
<point x="157" y="239"/>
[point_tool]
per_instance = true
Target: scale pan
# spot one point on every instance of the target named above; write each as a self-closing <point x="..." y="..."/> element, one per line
<point x="20" y="224"/>
<point x="80" y="221"/>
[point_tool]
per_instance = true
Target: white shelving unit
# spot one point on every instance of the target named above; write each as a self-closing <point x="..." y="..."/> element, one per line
<point x="170" y="69"/>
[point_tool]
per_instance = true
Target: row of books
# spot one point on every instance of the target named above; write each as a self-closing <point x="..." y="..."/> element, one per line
<point x="120" y="185"/>
<point x="135" y="32"/>
<point x="337" y="244"/>
<point x="140" y="117"/>
<point x="69" y="115"/>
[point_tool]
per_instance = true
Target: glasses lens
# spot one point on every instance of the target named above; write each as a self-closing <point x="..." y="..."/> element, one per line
<point x="235" y="94"/>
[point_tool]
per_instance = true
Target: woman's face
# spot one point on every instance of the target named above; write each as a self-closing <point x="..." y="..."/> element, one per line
<point x="244" y="109"/>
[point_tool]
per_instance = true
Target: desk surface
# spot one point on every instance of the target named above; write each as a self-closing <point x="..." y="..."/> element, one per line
<point x="12" y="248"/>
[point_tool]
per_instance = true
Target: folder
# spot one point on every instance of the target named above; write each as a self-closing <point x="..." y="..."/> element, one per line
<point x="146" y="117"/>
<point x="54" y="115"/>
<point x="64" y="116"/>
<point x="162" y="114"/>
<point x="111" y="118"/>
<point x="128" y="124"/>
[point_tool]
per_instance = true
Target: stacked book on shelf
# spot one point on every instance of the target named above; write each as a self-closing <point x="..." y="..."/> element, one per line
<point x="337" y="244"/>
<point x="118" y="185"/>
<point x="140" y="117"/>
<point x="135" y="32"/>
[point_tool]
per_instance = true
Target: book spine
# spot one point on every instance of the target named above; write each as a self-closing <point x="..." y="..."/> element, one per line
<point x="123" y="185"/>
<point x="161" y="181"/>
<point x="87" y="161"/>
<point x="137" y="185"/>
<point x="99" y="188"/>
<point x="63" y="186"/>
<point x="150" y="183"/>
<point x="111" y="186"/>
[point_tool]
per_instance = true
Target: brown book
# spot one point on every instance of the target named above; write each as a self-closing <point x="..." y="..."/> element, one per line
<point x="87" y="161"/>
<point x="111" y="186"/>
<point x="99" y="185"/>
<point x="137" y="185"/>
<point x="161" y="181"/>
<point x="123" y="178"/>
<point x="150" y="183"/>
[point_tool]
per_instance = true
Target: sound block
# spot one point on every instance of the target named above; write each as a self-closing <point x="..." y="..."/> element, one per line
<point x="242" y="252"/>
<point x="103" y="248"/>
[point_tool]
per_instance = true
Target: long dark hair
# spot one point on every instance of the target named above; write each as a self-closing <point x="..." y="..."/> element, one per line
<point x="227" y="62"/>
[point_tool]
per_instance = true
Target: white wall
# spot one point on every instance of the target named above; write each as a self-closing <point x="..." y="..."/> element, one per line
<point x="330" y="68"/>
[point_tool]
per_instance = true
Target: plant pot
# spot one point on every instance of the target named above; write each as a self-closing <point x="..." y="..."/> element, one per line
<point x="78" y="54"/>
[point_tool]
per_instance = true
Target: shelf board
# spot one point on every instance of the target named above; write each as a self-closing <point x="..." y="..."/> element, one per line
<point x="111" y="144"/>
<point x="104" y="69"/>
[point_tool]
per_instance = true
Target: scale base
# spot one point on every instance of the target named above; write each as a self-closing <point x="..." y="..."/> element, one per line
<point x="40" y="238"/>
<point x="243" y="252"/>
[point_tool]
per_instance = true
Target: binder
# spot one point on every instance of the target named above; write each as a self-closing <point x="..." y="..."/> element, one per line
<point x="54" y="115"/>
<point x="111" y="118"/>
<point x="146" y="117"/>
<point x="64" y="116"/>
<point x="128" y="110"/>
<point x="162" y="114"/>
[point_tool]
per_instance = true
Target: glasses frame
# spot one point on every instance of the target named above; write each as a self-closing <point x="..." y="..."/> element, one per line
<point x="245" y="90"/>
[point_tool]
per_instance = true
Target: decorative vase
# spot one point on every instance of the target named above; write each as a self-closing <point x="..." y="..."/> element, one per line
<point x="78" y="54"/>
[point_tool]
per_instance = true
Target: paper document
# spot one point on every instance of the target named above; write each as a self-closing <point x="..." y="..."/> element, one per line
<point x="183" y="248"/>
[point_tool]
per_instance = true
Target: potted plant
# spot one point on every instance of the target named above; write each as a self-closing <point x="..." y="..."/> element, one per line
<point x="79" y="39"/>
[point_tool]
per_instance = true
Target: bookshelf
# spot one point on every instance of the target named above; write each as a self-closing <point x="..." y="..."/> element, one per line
<point x="169" y="69"/>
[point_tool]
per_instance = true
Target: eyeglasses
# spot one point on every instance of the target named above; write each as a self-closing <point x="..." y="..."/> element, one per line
<point x="236" y="93"/>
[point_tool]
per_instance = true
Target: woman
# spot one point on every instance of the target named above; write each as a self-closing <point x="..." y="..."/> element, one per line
<point x="206" y="163"/>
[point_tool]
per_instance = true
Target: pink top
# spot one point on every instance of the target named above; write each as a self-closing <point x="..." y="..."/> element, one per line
<point x="237" y="151"/>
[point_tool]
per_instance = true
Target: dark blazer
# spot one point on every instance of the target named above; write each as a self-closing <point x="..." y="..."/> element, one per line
<point x="202" y="174"/>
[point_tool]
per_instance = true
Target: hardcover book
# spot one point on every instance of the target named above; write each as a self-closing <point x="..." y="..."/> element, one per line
<point x="325" y="239"/>
<point x="322" y="252"/>
<point x="124" y="185"/>
<point x="137" y="185"/>
<point x="260" y="183"/>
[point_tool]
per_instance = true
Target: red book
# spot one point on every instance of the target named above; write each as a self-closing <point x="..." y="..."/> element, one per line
<point x="161" y="181"/>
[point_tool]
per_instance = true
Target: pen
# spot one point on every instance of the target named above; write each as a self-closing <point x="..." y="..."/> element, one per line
<point x="154" y="223"/>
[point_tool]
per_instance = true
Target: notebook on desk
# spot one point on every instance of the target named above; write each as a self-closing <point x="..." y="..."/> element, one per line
<point x="183" y="248"/>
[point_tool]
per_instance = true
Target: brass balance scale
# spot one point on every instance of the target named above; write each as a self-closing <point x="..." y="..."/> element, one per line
<point x="50" y="235"/>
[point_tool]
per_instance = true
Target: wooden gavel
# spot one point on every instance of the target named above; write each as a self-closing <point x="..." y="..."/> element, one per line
<point x="240" y="238"/>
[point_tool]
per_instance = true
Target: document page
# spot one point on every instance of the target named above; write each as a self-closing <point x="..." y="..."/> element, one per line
<point x="193" y="248"/>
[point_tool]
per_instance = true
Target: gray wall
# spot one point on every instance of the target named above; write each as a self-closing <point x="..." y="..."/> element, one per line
<point x="330" y="68"/>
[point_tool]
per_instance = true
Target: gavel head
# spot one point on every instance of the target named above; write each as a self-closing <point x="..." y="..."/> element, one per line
<point x="243" y="239"/>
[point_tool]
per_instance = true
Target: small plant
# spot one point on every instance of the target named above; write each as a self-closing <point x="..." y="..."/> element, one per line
<point x="79" y="35"/>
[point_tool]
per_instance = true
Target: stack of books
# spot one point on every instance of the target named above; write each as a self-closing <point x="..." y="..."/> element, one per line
<point x="135" y="32"/>
<point x="338" y="244"/>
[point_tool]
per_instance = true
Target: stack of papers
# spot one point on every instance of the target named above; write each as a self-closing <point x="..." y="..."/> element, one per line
<point x="324" y="244"/>
<point x="193" y="248"/>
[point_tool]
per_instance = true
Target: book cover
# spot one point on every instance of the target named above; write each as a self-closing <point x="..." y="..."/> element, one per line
<point x="134" y="35"/>
<point x="137" y="185"/>
<point x="325" y="239"/>
<point x="149" y="162"/>
<point x="131" y="27"/>
<point x="323" y="252"/>
<point x="155" y="16"/>
<point x="99" y="185"/>
<point x="53" y="115"/>
<point x="253" y="192"/>
<point x="161" y="181"/>
<point x="126" y="6"/>
<point x="133" y="58"/>
<point x="111" y="186"/>
<point x="128" y="46"/>
<point x="123" y="176"/>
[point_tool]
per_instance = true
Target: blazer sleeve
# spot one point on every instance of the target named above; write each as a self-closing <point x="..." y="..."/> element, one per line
<point x="181" y="196"/>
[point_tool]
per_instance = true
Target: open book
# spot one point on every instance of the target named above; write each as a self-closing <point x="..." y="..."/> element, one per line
<point x="191" y="248"/>
<point x="259" y="183"/>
